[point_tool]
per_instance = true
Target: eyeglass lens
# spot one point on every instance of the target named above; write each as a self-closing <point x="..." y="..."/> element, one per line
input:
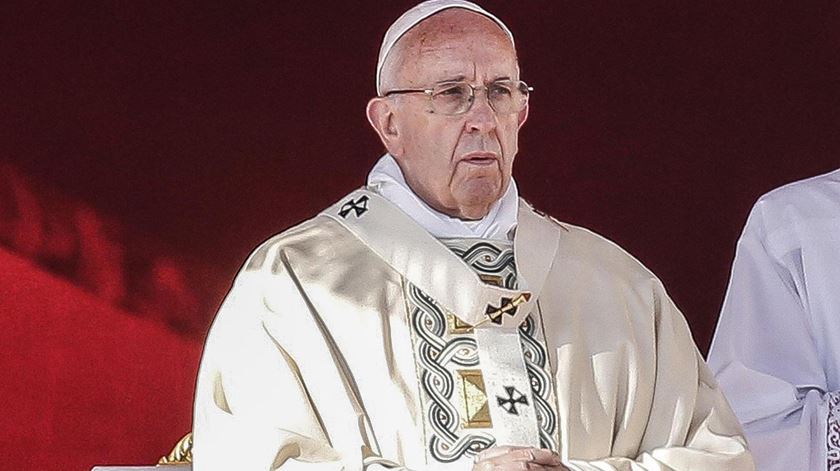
<point x="505" y="97"/>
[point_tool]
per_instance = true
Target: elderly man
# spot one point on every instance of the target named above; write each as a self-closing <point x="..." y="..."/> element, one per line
<point x="434" y="321"/>
<point x="776" y="352"/>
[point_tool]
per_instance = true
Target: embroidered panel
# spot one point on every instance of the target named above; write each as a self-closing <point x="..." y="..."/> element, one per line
<point x="832" y="433"/>
<point x="488" y="260"/>
<point x="457" y="421"/>
<point x="536" y="361"/>
<point x="439" y="359"/>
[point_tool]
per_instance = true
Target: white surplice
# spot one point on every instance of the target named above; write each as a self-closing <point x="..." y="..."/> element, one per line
<point x="776" y="352"/>
<point x="356" y="340"/>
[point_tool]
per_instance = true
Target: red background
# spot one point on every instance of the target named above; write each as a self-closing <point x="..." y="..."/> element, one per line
<point x="210" y="126"/>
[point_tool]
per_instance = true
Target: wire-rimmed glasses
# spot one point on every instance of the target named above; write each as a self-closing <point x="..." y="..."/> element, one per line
<point x="454" y="98"/>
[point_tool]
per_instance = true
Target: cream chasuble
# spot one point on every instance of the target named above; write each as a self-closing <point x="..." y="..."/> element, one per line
<point x="356" y="340"/>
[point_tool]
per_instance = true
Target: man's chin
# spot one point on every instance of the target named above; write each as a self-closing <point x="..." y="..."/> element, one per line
<point x="476" y="204"/>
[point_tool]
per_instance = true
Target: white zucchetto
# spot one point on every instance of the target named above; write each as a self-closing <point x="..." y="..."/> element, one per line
<point x="415" y="15"/>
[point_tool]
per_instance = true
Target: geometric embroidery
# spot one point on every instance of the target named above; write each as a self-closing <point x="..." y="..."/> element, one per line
<point x="457" y="326"/>
<point x="833" y="432"/>
<point x="474" y="395"/>
<point x="436" y="357"/>
<point x="488" y="260"/>
<point x="455" y="403"/>
<point x="513" y="398"/>
<point x="359" y="207"/>
<point x="506" y="306"/>
<point x="536" y="362"/>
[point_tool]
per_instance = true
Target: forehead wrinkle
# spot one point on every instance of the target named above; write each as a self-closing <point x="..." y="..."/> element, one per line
<point x="453" y="24"/>
<point x="457" y="21"/>
<point x="424" y="49"/>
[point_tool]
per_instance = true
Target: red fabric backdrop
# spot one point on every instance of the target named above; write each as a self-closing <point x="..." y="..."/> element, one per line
<point x="85" y="383"/>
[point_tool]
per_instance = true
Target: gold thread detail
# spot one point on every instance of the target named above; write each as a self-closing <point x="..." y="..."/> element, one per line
<point x="475" y="411"/>
<point x="457" y="326"/>
<point x="181" y="454"/>
<point x="494" y="280"/>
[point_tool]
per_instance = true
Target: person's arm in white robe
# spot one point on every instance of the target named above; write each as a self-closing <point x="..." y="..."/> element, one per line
<point x="254" y="411"/>
<point x="765" y="357"/>
<point x="690" y="425"/>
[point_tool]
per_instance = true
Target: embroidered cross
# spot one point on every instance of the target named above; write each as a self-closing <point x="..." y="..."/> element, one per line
<point x="358" y="206"/>
<point x="514" y="397"/>
<point x="507" y="306"/>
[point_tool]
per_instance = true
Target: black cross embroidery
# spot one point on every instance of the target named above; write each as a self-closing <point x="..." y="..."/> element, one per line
<point x="514" y="397"/>
<point x="496" y="313"/>
<point x="358" y="206"/>
<point x="506" y="306"/>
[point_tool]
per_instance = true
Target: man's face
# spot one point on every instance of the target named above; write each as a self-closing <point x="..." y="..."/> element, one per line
<point x="461" y="164"/>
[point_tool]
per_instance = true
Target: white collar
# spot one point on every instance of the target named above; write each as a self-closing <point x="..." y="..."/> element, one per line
<point x="386" y="179"/>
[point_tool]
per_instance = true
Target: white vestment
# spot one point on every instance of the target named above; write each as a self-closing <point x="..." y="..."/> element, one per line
<point x="776" y="351"/>
<point x="356" y="340"/>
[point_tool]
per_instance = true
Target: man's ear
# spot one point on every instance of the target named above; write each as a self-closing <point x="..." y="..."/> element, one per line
<point x="523" y="115"/>
<point x="380" y="115"/>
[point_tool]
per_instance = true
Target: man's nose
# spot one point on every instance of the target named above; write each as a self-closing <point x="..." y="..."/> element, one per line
<point x="481" y="117"/>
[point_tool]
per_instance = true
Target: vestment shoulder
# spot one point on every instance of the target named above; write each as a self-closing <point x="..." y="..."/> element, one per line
<point x="309" y="237"/>
<point x="583" y="248"/>
<point x="592" y="270"/>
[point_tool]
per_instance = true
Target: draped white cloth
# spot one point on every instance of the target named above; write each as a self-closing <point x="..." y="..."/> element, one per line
<point x="323" y="355"/>
<point x="387" y="179"/>
<point x="776" y="352"/>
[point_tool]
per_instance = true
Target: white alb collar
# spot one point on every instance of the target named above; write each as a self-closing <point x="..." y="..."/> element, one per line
<point x="386" y="178"/>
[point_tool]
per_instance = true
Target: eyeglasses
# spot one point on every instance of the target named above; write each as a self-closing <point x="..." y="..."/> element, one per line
<point x="454" y="98"/>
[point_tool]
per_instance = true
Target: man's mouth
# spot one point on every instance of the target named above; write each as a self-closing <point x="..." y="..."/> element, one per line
<point x="480" y="158"/>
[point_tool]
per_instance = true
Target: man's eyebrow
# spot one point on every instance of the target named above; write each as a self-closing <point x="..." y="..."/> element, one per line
<point x="457" y="78"/>
<point x="461" y="78"/>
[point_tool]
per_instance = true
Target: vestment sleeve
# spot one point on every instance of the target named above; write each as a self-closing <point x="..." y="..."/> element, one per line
<point x="254" y="407"/>
<point x="690" y="425"/>
<point x="765" y="356"/>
